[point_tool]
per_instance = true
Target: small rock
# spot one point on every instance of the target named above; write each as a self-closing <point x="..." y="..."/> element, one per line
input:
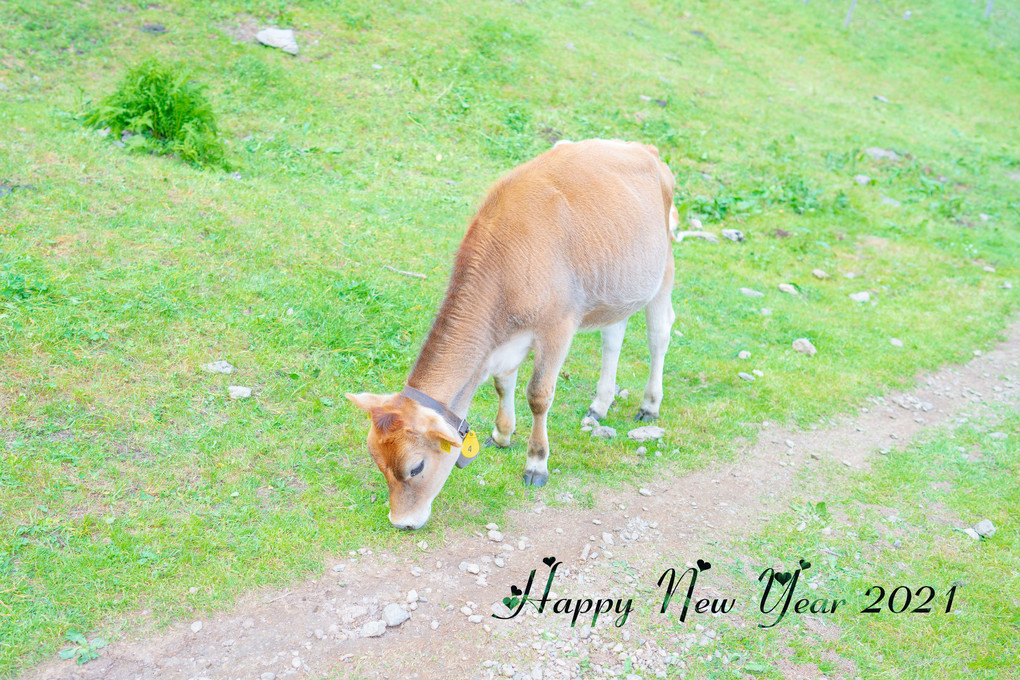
<point x="897" y="544"/>
<point x="882" y="154"/>
<point x="373" y="628"/>
<point x="890" y="201"/>
<point x="998" y="435"/>
<point x="196" y="626"/>
<point x="417" y="571"/>
<point x="751" y="292"/>
<point x="973" y="534"/>
<point x="694" y="222"/>
<point x="238" y="392"/>
<point x="412" y="595"/>
<point x="984" y="217"/>
<point x="607" y="538"/>
<point x="819" y="274"/>
<point x="496" y="536"/>
<point x="423" y="545"/>
<point x="585" y="632"/>
<point x="218" y="367"/>
<point x="745" y="376"/>
<point x="734" y="235"/>
<point x="434" y="625"/>
<point x="469" y="567"/>
<point x="646" y="433"/>
<point x="863" y="296"/>
<point x="268" y="676"/>
<point x="703" y="235"/>
<point x="1006" y="285"/>
<point x="880" y="98"/>
<point x="744" y="354"/>
<point x="804" y="346"/>
<point x="758" y="372"/>
<point x="985" y="528"/>
<point x="641" y="450"/>
<point x="475" y="618"/>
<point x="588" y="421"/>
<point x="988" y="268"/>
<point x="499" y="562"/>
<point x="466" y="611"/>
<point x="788" y="288"/>
<point x="394" y="615"/>
<point x="604" y="432"/>
<point x="296" y="662"/>
<point x="645" y="492"/>
<point x="862" y="179"/>
<point x="895" y="342"/>
<point x="279" y="38"/>
<point x="248" y="623"/>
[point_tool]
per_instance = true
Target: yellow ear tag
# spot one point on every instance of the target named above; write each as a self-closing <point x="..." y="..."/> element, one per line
<point x="468" y="450"/>
<point x="444" y="446"/>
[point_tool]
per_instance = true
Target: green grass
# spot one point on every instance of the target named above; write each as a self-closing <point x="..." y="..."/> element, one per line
<point x="128" y="476"/>
<point x="918" y="497"/>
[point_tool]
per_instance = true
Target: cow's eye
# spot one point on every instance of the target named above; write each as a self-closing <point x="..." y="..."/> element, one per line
<point x="417" y="469"/>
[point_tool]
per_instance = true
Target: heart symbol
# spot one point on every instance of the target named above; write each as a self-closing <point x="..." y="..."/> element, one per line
<point x="804" y="564"/>
<point x="514" y="590"/>
<point x="511" y="602"/>
<point x="703" y="565"/>
<point x="549" y="560"/>
<point x="783" y="577"/>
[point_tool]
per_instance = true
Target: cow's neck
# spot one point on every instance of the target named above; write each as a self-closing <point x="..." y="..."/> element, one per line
<point x="452" y="362"/>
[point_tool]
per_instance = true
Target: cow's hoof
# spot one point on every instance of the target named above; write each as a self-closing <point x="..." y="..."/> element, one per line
<point x="535" y="479"/>
<point x="644" y="416"/>
<point x="592" y="414"/>
<point x="489" y="442"/>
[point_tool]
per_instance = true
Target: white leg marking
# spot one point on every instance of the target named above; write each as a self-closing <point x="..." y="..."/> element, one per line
<point x="612" y="342"/>
<point x="659" y="317"/>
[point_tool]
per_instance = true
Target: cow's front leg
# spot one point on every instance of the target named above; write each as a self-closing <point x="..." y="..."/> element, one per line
<point x="550" y="352"/>
<point x="506" y="418"/>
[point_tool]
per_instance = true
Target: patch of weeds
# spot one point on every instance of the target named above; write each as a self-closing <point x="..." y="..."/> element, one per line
<point x="163" y="111"/>
<point x="20" y="283"/>
<point x="82" y="651"/>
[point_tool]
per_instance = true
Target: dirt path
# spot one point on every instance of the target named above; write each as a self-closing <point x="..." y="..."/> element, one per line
<point x="317" y="629"/>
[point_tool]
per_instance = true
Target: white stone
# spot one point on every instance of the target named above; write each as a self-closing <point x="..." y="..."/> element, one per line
<point x="819" y="274"/>
<point x="751" y="292"/>
<point x="412" y="595"/>
<point x="895" y="342"/>
<point x="646" y="433"/>
<point x="745" y="376"/>
<point x="218" y="367"/>
<point x="863" y="296"/>
<point x="394" y="615"/>
<point x="373" y="628"/>
<point x="862" y="179"/>
<point x="238" y="392"/>
<point x="196" y="626"/>
<point x="744" y="354"/>
<point x="788" y="288"/>
<point x="985" y="528"/>
<point x="278" y="37"/>
<point x="804" y="346"/>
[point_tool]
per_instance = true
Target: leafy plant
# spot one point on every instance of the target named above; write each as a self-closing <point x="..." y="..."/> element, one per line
<point x="82" y="651"/>
<point x="163" y="111"/>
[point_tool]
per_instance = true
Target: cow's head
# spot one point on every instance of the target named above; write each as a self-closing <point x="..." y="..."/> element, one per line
<point x="406" y="440"/>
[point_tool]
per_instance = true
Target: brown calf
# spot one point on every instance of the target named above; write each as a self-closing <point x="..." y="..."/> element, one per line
<point x="578" y="238"/>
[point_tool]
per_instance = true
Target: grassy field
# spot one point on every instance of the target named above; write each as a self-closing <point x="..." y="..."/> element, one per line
<point x="895" y="528"/>
<point x="127" y="475"/>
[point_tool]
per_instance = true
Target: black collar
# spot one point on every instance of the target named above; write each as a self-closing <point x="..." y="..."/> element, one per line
<point x="455" y="421"/>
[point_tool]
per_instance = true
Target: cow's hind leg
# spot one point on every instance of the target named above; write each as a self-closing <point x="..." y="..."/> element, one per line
<point x="550" y="352"/>
<point x="506" y="418"/>
<point x="612" y="342"/>
<point x="659" y="317"/>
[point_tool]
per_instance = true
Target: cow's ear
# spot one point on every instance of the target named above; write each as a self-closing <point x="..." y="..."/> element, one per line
<point x="428" y="423"/>
<point x="367" y="401"/>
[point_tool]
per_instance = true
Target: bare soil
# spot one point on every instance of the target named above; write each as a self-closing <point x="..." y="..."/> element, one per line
<point x="314" y="629"/>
